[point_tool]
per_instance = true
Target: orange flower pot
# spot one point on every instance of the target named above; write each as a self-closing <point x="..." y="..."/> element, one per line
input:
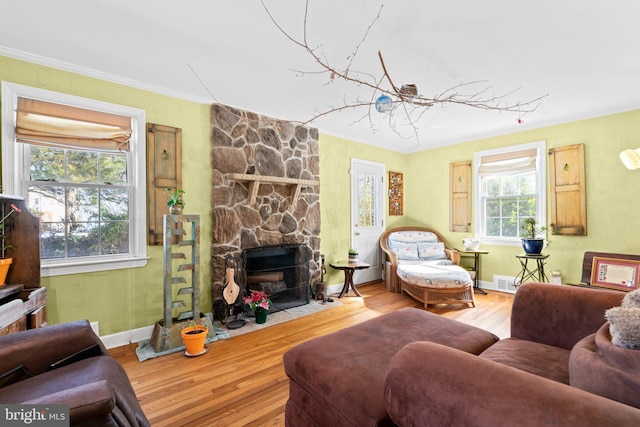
<point x="194" y="338"/>
<point x="5" y="263"/>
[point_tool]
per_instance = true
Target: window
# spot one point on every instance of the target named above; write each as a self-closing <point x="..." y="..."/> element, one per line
<point x="509" y="186"/>
<point x="80" y="164"/>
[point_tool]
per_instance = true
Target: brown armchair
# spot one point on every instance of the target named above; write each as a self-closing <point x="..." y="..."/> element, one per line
<point x="67" y="364"/>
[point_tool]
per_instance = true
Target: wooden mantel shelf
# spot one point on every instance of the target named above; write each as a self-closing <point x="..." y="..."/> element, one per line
<point x="255" y="181"/>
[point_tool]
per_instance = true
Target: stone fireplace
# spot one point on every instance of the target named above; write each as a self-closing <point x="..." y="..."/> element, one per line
<point x="265" y="191"/>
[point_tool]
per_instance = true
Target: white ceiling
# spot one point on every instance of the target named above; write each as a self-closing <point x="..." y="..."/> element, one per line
<point x="583" y="53"/>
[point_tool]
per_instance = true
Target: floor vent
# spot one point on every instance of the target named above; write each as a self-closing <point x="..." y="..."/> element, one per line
<point x="504" y="283"/>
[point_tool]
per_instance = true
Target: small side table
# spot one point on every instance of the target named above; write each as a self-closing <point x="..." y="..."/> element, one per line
<point x="349" y="268"/>
<point x="476" y="265"/>
<point x="536" y="272"/>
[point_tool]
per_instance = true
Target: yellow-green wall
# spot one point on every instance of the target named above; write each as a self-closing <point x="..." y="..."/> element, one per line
<point x="335" y="194"/>
<point x="127" y="299"/>
<point x="130" y="298"/>
<point x="613" y="192"/>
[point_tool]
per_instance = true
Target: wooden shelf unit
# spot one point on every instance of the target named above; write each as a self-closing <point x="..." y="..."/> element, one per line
<point x="255" y="181"/>
<point x="22" y="300"/>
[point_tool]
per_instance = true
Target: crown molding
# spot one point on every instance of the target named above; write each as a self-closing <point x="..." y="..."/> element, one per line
<point x="89" y="72"/>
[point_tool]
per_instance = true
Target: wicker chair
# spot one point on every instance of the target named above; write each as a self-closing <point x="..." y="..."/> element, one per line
<point x="426" y="292"/>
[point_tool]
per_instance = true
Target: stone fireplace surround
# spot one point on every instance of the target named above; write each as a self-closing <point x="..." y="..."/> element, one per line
<point x="245" y="143"/>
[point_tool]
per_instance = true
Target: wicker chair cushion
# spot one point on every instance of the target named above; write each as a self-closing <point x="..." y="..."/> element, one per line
<point x="433" y="274"/>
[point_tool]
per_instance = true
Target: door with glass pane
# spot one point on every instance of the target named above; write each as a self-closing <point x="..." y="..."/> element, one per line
<point x="367" y="216"/>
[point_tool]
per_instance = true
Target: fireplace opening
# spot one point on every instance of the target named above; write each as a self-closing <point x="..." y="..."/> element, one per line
<point x="282" y="271"/>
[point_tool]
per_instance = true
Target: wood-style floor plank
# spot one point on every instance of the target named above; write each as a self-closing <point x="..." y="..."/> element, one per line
<point x="241" y="381"/>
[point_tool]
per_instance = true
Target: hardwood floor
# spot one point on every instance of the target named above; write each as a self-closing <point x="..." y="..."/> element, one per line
<point x="241" y="381"/>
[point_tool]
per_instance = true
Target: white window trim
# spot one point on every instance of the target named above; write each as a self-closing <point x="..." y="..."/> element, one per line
<point x="541" y="206"/>
<point x="14" y="166"/>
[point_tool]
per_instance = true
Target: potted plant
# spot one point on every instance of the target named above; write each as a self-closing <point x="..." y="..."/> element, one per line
<point x="532" y="240"/>
<point x="5" y="263"/>
<point x="194" y="337"/>
<point x="353" y="255"/>
<point x="259" y="303"/>
<point x="174" y="200"/>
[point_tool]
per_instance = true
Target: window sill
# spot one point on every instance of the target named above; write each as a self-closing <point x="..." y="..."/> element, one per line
<point x="51" y="268"/>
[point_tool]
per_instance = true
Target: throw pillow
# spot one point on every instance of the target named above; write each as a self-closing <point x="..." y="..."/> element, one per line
<point x="624" y="326"/>
<point x="405" y="251"/>
<point x="632" y="299"/>
<point x="427" y="250"/>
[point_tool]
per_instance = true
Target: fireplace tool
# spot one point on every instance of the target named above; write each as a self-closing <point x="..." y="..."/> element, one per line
<point x="232" y="304"/>
<point x="321" y="288"/>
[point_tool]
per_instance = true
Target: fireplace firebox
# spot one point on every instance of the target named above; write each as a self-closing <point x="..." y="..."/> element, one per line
<point x="282" y="271"/>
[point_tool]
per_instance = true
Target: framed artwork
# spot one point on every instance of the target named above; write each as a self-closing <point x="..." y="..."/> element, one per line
<point x="620" y="274"/>
<point x="396" y="196"/>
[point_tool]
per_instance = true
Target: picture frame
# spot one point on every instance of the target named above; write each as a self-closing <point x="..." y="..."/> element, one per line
<point x="613" y="273"/>
<point x="396" y="193"/>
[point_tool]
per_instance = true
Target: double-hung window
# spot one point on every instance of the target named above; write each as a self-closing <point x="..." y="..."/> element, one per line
<point x="509" y="187"/>
<point x="79" y="163"/>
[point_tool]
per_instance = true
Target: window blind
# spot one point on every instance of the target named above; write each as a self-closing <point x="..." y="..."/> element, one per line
<point x="57" y="125"/>
<point x="515" y="161"/>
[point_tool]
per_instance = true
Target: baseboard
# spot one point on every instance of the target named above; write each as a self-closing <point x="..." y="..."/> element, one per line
<point x="127" y="337"/>
<point x="500" y="284"/>
<point x="133" y="336"/>
<point x="334" y="289"/>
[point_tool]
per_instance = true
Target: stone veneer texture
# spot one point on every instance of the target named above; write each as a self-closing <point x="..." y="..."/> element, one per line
<point x="249" y="143"/>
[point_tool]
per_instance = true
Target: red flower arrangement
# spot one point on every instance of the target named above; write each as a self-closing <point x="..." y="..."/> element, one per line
<point x="258" y="299"/>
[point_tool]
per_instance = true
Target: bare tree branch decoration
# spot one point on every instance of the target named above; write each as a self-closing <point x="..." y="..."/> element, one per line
<point x="404" y="101"/>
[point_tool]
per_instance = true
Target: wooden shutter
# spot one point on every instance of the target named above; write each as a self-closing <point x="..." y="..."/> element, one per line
<point x="460" y="197"/>
<point x="164" y="170"/>
<point x="568" y="193"/>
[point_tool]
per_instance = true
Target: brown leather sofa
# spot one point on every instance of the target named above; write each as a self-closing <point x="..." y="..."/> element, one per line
<point x="414" y="368"/>
<point x="67" y="364"/>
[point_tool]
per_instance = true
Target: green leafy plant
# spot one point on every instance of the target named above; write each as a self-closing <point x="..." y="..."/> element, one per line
<point x="197" y="328"/>
<point x="174" y="197"/>
<point x="353" y="251"/>
<point x="531" y="229"/>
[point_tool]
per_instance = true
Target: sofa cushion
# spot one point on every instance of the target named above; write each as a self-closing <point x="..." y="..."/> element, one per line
<point x="598" y="366"/>
<point x="539" y="359"/>
<point x="341" y="375"/>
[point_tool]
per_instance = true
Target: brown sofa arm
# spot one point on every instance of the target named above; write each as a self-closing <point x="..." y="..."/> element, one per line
<point x="559" y="315"/>
<point x="428" y="383"/>
<point x="36" y="350"/>
<point x="89" y="401"/>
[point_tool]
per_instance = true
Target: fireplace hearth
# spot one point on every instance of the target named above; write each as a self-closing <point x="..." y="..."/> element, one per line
<point x="282" y="271"/>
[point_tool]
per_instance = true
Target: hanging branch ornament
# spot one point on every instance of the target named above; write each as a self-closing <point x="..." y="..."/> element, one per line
<point x="405" y="101"/>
